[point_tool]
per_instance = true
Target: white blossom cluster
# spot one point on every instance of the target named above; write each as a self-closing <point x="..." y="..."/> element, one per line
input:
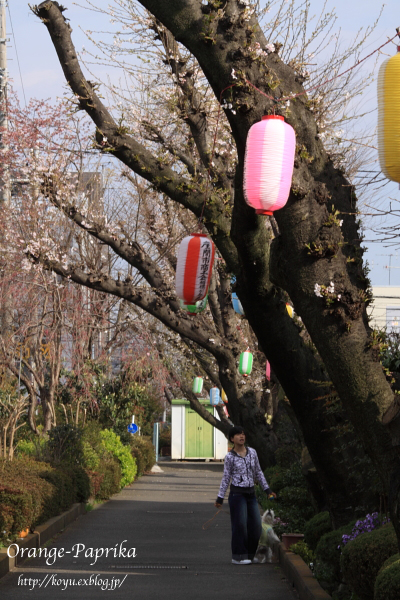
<point x="321" y="290"/>
<point x="228" y="106"/>
<point x="258" y="51"/>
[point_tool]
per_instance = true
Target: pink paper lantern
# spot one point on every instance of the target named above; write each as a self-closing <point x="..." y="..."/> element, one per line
<point x="268" y="164"/>
<point x="268" y="371"/>
<point x="194" y="267"/>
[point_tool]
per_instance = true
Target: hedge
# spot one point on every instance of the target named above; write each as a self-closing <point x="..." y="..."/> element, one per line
<point x="387" y="583"/>
<point x="327" y="553"/>
<point x="363" y="557"/>
<point x="315" y="528"/>
<point x="32" y="492"/>
<point x="143" y="451"/>
<point x="113" y="444"/>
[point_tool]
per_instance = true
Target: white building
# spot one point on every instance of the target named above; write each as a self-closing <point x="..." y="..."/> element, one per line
<point x="384" y="310"/>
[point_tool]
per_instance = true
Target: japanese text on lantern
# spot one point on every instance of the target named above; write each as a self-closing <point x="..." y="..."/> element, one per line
<point x="204" y="267"/>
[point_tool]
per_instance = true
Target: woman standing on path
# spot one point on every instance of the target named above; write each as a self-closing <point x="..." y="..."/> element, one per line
<point x="243" y="468"/>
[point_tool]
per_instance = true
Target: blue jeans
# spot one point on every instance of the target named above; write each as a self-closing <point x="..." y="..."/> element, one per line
<point x="246" y="525"/>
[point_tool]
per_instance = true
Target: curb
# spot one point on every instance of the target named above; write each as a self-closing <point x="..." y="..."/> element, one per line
<point x="300" y="576"/>
<point x="42" y="534"/>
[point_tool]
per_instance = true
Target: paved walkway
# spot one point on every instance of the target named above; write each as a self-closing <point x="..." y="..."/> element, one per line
<point x="161" y="516"/>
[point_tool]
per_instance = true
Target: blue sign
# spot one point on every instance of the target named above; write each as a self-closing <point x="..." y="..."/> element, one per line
<point x="132" y="428"/>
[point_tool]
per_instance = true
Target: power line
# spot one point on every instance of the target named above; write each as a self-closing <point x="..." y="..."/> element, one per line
<point x="16" y="52"/>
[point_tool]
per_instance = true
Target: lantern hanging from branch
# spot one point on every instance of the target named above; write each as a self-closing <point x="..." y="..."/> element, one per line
<point x="224" y="397"/>
<point x="245" y="363"/>
<point x="290" y="310"/>
<point x="389" y="117"/>
<point x="197" y="387"/>
<point x="214" y="396"/>
<point x="194" y="266"/>
<point x="268" y="371"/>
<point x="237" y="305"/>
<point x="194" y="308"/>
<point x="268" y="164"/>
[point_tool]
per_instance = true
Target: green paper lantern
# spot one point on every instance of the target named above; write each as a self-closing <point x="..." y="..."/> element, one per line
<point x="197" y="385"/>
<point x="194" y="308"/>
<point x="245" y="363"/>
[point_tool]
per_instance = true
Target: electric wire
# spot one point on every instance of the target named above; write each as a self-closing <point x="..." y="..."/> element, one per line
<point x="16" y="53"/>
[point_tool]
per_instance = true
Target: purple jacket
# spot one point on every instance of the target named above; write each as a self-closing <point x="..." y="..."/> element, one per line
<point x="243" y="471"/>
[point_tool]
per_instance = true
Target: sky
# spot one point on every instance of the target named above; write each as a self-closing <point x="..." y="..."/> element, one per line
<point x="36" y="73"/>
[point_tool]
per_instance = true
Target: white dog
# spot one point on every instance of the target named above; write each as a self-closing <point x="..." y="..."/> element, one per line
<point x="269" y="541"/>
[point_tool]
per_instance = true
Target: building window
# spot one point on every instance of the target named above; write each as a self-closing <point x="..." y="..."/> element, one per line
<point x="393" y="319"/>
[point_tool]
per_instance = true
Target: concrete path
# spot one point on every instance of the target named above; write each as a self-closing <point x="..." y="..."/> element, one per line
<point x="161" y="516"/>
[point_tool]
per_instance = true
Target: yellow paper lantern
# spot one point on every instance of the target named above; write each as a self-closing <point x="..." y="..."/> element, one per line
<point x="389" y="117"/>
<point x="290" y="310"/>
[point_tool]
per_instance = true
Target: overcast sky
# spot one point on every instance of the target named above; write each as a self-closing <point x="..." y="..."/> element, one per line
<point x="41" y="75"/>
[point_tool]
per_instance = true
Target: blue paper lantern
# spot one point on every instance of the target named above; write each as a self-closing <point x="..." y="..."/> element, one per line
<point x="214" y="396"/>
<point x="237" y="305"/>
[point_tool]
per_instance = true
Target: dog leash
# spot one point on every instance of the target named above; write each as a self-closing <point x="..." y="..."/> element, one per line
<point x="206" y="525"/>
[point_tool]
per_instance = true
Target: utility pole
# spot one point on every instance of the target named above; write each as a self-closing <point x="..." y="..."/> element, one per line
<point x="5" y="184"/>
<point x="389" y="266"/>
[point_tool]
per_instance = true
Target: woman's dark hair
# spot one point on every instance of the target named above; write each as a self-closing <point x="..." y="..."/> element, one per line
<point x="234" y="431"/>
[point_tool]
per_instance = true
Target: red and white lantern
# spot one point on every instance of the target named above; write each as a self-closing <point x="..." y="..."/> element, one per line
<point x="268" y="164"/>
<point x="194" y="267"/>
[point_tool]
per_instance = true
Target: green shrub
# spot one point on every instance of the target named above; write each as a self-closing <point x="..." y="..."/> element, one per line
<point x="165" y="438"/>
<point x="25" y="447"/>
<point x="36" y="448"/>
<point x="16" y="512"/>
<point x="91" y="458"/>
<point x="294" y="516"/>
<point x="110" y="472"/>
<point x="362" y="558"/>
<point x="327" y="552"/>
<point x="32" y="492"/>
<point x="293" y="505"/>
<point x="80" y="480"/>
<point x="279" y="477"/>
<point x="387" y="583"/>
<point x="303" y="550"/>
<point x="295" y="496"/>
<point x="95" y="480"/>
<point x="100" y="461"/>
<point x="275" y="477"/>
<point x="65" y="445"/>
<point x="113" y="444"/>
<point x="65" y="491"/>
<point x="315" y="528"/>
<point x="143" y="451"/>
